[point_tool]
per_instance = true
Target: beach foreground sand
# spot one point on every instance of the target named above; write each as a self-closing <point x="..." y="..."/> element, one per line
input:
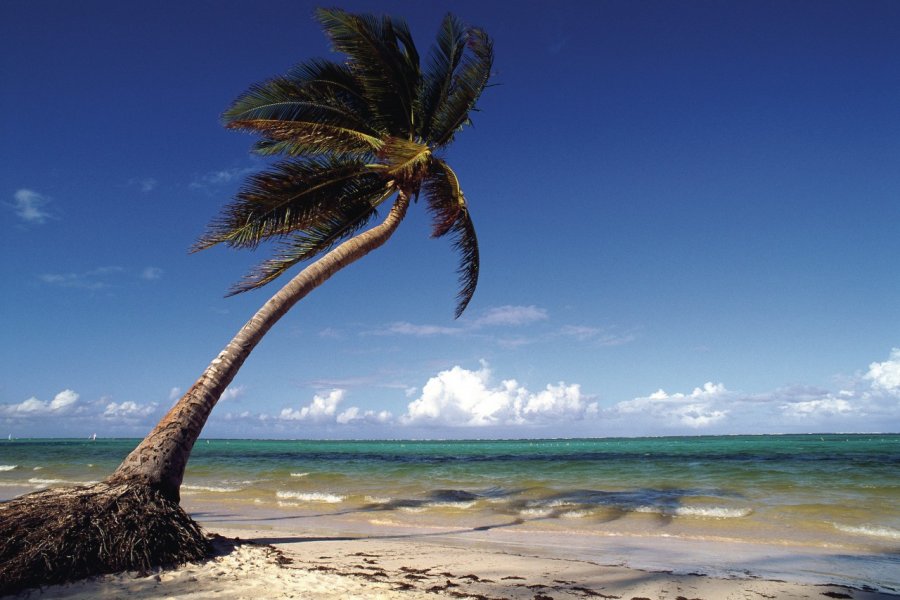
<point x="411" y="569"/>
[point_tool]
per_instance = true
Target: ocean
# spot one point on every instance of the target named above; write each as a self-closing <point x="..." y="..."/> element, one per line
<point x="831" y="493"/>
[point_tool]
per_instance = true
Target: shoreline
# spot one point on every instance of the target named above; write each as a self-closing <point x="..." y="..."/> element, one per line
<point x="333" y="569"/>
<point x="322" y="560"/>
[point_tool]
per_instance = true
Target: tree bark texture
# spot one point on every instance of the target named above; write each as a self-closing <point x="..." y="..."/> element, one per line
<point x="160" y="459"/>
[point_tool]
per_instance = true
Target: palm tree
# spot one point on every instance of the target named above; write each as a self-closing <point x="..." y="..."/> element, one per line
<point x="355" y="137"/>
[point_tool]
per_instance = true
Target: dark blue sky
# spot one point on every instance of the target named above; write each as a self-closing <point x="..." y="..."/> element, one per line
<point x="666" y="194"/>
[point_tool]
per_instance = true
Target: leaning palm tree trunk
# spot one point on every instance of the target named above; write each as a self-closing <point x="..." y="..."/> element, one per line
<point x="159" y="461"/>
<point x="132" y="521"/>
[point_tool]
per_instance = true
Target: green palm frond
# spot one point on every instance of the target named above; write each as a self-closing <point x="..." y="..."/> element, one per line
<point x="468" y="83"/>
<point x="327" y="77"/>
<point x="438" y="78"/>
<point x="293" y="195"/>
<point x="317" y="106"/>
<point x="405" y="160"/>
<point x="382" y="57"/>
<point x="302" y="138"/>
<point x="337" y="223"/>
<point x="355" y="133"/>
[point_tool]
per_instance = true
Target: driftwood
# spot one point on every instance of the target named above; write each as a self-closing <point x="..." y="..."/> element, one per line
<point x="62" y="534"/>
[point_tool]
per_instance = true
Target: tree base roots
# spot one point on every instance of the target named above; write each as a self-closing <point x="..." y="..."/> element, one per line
<point x="63" y="534"/>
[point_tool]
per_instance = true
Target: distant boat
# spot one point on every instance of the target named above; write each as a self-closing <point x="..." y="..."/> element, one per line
<point x="94" y="437"/>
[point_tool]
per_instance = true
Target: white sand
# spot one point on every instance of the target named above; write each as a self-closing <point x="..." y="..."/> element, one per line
<point x="412" y="569"/>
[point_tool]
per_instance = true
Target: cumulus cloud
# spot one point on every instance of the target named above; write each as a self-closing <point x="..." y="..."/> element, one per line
<point x="320" y="409"/>
<point x="67" y="411"/>
<point x="828" y="406"/>
<point x="700" y="408"/>
<point x="356" y="415"/>
<point x="460" y="397"/>
<point x="885" y="376"/>
<point x="233" y="392"/>
<point x="324" y="410"/>
<point x="31" y="206"/>
<point x="127" y="410"/>
<point x="63" y="403"/>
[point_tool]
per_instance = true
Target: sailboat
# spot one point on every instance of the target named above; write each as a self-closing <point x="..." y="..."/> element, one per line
<point x="94" y="437"/>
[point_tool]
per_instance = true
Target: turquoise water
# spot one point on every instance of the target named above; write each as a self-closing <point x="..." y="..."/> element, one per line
<point x="813" y="490"/>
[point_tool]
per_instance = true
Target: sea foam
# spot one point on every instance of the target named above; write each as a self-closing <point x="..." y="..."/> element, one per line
<point x="311" y="497"/>
<point x="709" y="512"/>
<point x="209" y="488"/>
<point x="8" y="467"/>
<point x="714" y="512"/>
<point x="871" y="531"/>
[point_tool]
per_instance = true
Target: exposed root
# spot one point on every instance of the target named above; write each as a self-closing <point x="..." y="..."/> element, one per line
<point x="63" y="534"/>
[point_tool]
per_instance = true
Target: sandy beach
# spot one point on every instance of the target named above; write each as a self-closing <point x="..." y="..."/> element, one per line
<point x="263" y="561"/>
<point x="690" y="519"/>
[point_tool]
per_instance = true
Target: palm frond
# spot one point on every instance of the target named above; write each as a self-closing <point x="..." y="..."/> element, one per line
<point x="382" y="57"/>
<point x="468" y="82"/>
<point x="299" y="138"/>
<point x="328" y="77"/>
<point x="405" y="161"/>
<point x="318" y="105"/>
<point x="293" y="195"/>
<point x="444" y="197"/>
<point x="438" y="78"/>
<point x="466" y="244"/>
<point x="336" y="224"/>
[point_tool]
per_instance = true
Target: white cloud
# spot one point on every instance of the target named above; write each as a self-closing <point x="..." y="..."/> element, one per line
<point x="404" y="328"/>
<point x="598" y="335"/>
<point x="63" y="403"/>
<point x="233" y="392"/>
<point x="500" y="316"/>
<point x="321" y="408"/>
<point x="488" y="324"/>
<point x="66" y="412"/>
<point x="175" y="393"/>
<point x="31" y="206"/>
<point x="510" y="316"/>
<point x="461" y="397"/>
<point x="356" y="415"/>
<point x="829" y="406"/>
<point x="94" y="279"/>
<point x="885" y="376"/>
<point x="151" y="273"/>
<point x="698" y="409"/>
<point x="127" y="410"/>
<point x="329" y="333"/>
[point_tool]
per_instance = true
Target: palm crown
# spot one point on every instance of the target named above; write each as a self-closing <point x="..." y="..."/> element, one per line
<point x="355" y="134"/>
